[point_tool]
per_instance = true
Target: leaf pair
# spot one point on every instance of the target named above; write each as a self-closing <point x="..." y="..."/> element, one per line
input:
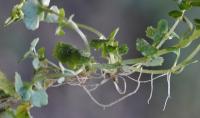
<point x="149" y="50"/>
<point x="158" y="33"/>
<point x="37" y="96"/>
<point x="109" y="46"/>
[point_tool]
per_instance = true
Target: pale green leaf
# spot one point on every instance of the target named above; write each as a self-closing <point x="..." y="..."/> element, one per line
<point x="36" y="63"/>
<point x="39" y="98"/>
<point x="23" y="90"/>
<point x="18" y="82"/>
<point x="31" y="14"/>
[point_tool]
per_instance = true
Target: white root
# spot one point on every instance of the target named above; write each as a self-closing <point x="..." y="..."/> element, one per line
<point x="168" y="90"/>
<point x="146" y="81"/>
<point x="116" y="101"/>
<point x="95" y="86"/>
<point x="120" y="91"/>
<point x="81" y="81"/>
<point x="151" y="93"/>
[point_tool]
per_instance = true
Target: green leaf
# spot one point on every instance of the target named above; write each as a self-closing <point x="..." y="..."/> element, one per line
<point x="61" y="21"/>
<point x="123" y="49"/>
<point x="157" y="34"/>
<point x="111" y="49"/>
<point x="6" y="85"/>
<point x="41" y="53"/>
<point x="69" y="55"/>
<point x="98" y="43"/>
<point x="145" y="48"/>
<point x="61" y="13"/>
<point x="23" y="111"/>
<point x="150" y="32"/>
<point x="39" y="98"/>
<point x="158" y="61"/>
<point x="185" y="5"/>
<point x="162" y="26"/>
<point x="175" y="14"/>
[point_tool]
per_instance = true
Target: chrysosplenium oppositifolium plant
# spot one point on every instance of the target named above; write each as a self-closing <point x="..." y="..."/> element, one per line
<point x="78" y="67"/>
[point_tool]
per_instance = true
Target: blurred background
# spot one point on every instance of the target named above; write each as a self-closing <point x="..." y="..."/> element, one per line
<point x="132" y="16"/>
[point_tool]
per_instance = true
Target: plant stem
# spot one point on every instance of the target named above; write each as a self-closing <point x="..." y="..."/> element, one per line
<point x="52" y="64"/>
<point x="90" y="29"/>
<point x="82" y="26"/>
<point x="166" y="37"/>
<point x="191" y="56"/>
<point x="183" y="64"/>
